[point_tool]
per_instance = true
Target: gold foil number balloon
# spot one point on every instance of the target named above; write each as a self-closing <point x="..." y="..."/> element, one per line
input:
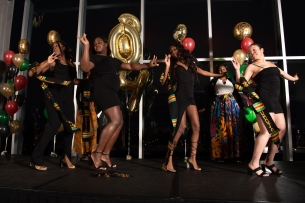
<point x="130" y="19"/>
<point x="180" y="32"/>
<point x="52" y="37"/>
<point x="242" y="30"/>
<point x="23" y="46"/>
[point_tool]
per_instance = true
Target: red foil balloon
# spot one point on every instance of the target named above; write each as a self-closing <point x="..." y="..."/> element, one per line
<point x="20" y="82"/>
<point x="245" y="43"/>
<point x="11" y="107"/>
<point x="188" y="44"/>
<point x="8" y="57"/>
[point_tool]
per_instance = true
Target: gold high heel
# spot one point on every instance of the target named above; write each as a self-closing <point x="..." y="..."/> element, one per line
<point x="39" y="168"/>
<point x="193" y="149"/>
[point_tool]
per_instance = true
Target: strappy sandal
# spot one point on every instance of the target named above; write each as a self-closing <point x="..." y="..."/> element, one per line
<point x="263" y="174"/>
<point x="277" y="172"/>
<point x="171" y="147"/>
<point x="193" y="155"/>
<point x="101" y="167"/>
<point x="107" y="161"/>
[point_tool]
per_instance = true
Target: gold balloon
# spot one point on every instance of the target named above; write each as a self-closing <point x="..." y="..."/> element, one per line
<point x="134" y="100"/>
<point x="6" y="89"/>
<point x="61" y="128"/>
<point x="240" y="55"/>
<point x="180" y="32"/>
<point x="18" y="60"/>
<point x="242" y="30"/>
<point x="15" y="126"/>
<point x="126" y="84"/>
<point x="125" y="43"/>
<point x="132" y="20"/>
<point x="256" y="127"/>
<point x="23" y="46"/>
<point x="52" y="37"/>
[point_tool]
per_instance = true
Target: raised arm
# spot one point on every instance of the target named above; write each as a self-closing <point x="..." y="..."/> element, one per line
<point x="207" y="73"/>
<point x="167" y="67"/>
<point x="43" y="66"/>
<point x="85" y="63"/>
<point x="289" y="77"/>
<point x="138" y="66"/>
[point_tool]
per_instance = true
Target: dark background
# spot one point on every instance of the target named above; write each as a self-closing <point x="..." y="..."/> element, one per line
<point x="161" y="18"/>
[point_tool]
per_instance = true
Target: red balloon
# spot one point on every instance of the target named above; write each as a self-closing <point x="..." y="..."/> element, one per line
<point x="245" y="43"/>
<point x="189" y="44"/>
<point x="11" y="107"/>
<point x="8" y="57"/>
<point x="20" y="82"/>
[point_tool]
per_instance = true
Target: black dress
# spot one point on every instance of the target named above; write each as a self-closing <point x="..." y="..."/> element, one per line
<point x="106" y="82"/>
<point x="268" y="88"/>
<point x="185" y="91"/>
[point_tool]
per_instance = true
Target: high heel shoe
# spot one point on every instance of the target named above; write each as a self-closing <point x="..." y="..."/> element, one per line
<point x="92" y="162"/>
<point x="277" y="172"/>
<point x="193" y="154"/>
<point x="164" y="168"/>
<point x="107" y="161"/>
<point x="195" y="168"/>
<point x="66" y="163"/>
<point x="263" y="174"/>
<point x="39" y="168"/>
<point x="84" y="158"/>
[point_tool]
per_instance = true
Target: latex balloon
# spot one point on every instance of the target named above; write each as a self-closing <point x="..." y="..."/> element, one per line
<point x="240" y="55"/>
<point x="61" y="128"/>
<point x="242" y="69"/>
<point x="18" y="60"/>
<point x="245" y="43"/>
<point x="189" y="44"/>
<point x="6" y="89"/>
<point x="52" y="37"/>
<point x="20" y="82"/>
<point x="242" y="30"/>
<point x="127" y="18"/>
<point x="19" y="99"/>
<point x="23" y="46"/>
<point x="4" y="130"/>
<point x="11" y="107"/>
<point x="250" y="114"/>
<point x="4" y="118"/>
<point x="134" y="100"/>
<point x="25" y="65"/>
<point x="8" y="57"/>
<point x="256" y="127"/>
<point x="45" y="113"/>
<point x="230" y="74"/>
<point x="15" y="126"/>
<point x="12" y="70"/>
<point x="125" y="43"/>
<point x="180" y="33"/>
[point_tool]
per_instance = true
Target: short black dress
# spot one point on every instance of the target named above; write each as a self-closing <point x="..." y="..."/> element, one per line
<point x="268" y="88"/>
<point x="185" y="91"/>
<point x="106" y="82"/>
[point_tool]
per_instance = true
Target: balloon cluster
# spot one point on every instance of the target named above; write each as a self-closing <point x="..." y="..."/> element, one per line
<point x="243" y="31"/>
<point x="15" y="62"/>
<point x="180" y="36"/>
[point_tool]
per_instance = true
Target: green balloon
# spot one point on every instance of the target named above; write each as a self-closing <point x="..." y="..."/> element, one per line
<point x="4" y="117"/>
<point x="242" y="69"/>
<point x="250" y="114"/>
<point x="25" y="65"/>
<point x="229" y="74"/>
<point x="45" y="113"/>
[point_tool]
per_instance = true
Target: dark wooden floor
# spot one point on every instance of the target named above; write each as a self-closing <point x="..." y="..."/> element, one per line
<point x="217" y="182"/>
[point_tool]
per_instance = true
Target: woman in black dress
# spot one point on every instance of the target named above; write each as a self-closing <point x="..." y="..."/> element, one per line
<point x="267" y="77"/>
<point x="106" y="83"/>
<point x="60" y="63"/>
<point x="182" y="66"/>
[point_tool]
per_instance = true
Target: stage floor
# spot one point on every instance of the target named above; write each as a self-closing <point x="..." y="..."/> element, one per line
<point x="217" y="182"/>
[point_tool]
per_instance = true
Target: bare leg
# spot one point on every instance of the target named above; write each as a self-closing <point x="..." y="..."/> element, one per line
<point x="260" y="143"/>
<point x="192" y="114"/>
<point x="178" y="134"/>
<point x="109" y="133"/>
<point x="279" y="120"/>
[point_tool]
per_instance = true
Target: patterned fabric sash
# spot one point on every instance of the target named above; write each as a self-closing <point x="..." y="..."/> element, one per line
<point x="259" y="108"/>
<point x="48" y="94"/>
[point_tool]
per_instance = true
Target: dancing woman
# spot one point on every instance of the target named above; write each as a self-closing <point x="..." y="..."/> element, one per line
<point x="105" y="70"/>
<point x="183" y="67"/>
<point x="59" y="96"/>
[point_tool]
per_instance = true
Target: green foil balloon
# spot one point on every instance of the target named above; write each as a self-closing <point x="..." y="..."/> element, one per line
<point x="25" y="65"/>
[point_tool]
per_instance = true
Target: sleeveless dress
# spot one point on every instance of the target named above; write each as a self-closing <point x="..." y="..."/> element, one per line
<point x="268" y="88"/>
<point x="185" y="91"/>
<point x="106" y="82"/>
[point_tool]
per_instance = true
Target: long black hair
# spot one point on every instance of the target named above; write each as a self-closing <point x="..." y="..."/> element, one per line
<point x="184" y="56"/>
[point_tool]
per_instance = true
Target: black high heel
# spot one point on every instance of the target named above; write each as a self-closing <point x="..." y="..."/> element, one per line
<point x="106" y="161"/>
<point x="277" y="172"/>
<point x="92" y="162"/>
<point x="84" y="158"/>
<point x="263" y="174"/>
<point x="64" y="164"/>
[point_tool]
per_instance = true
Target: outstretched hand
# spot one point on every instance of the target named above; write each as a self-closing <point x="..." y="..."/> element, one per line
<point x="83" y="39"/>
<point x="167" y="60"/>
<point x="235" y="63"/>
<point x="153" y="62"/>
<point x="52" y="58"/>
